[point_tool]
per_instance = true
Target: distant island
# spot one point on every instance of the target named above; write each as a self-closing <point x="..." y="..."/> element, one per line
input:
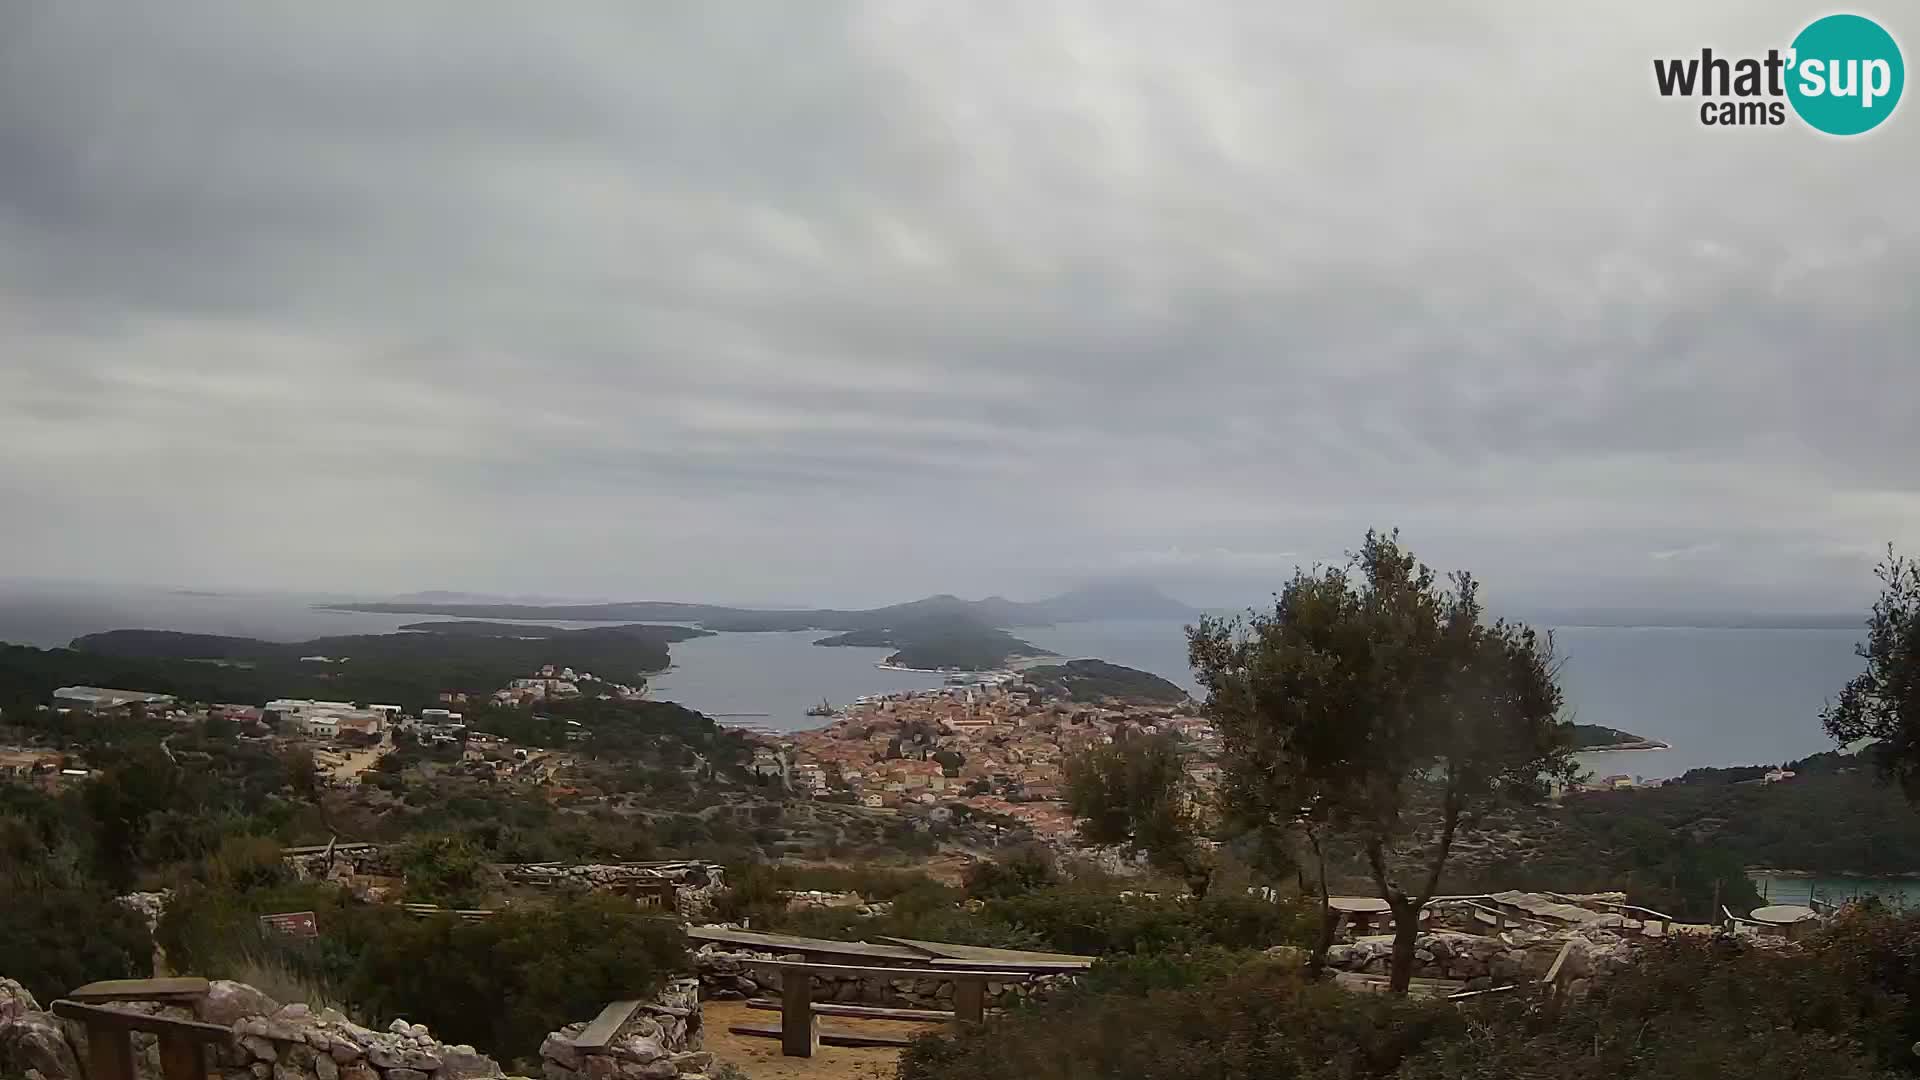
<point x="1097" y="680"/>
<point x="1116" y="601"/>
<point x="941" y="643"/>
<point x="536" y="632"/>
<point x="411" y="668"/>
<point x="1592" y="738"/>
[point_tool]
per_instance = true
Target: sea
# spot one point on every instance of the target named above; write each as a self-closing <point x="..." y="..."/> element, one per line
<point x="1717" y="696"/>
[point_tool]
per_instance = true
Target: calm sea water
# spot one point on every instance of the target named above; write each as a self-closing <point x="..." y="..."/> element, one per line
<point x="1774" y="889"/>
<point x="1721" y="697"/>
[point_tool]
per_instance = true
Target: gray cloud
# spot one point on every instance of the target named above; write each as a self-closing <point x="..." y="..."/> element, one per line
<point x="846" y="302"/>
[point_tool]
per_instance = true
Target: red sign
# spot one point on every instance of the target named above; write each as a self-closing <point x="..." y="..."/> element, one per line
<point x="293" y="924"/>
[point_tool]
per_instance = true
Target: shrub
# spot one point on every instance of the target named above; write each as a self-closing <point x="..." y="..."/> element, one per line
<point x="1257" y="1021"/>
<point x="56" y="936"/>
<point x="1837" y="1009"/>
<point x="1018" y="872"/>
<point x="501" y="983"/>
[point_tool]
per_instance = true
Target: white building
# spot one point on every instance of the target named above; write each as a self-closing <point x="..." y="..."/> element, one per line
<point x="298" y="709"/>
<point x="98" y="697"/>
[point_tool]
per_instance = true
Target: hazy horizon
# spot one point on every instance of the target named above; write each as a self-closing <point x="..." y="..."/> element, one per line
<point x="1605" y="614"/>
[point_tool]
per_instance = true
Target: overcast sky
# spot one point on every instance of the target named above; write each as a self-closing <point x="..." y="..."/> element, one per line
<point x="809" y="302"/>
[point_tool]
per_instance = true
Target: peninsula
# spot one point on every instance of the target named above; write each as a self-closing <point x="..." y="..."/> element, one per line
<point x="1594" y="739"/>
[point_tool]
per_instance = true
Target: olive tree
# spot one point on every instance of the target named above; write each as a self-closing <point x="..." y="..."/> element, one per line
<point x="1376" y="702"/>
<point x="1883" y="702"/>
<point x="1135" y="793"/>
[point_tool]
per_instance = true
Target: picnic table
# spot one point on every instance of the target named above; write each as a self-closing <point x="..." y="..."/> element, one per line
<point x="1790" y="919"/>
<point x="1359" y="911"/>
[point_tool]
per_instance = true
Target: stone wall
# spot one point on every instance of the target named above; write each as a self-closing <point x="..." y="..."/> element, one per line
<point x="342" y="863"/>
<point x="662" y="1041"/>
<point x="270" y="1042"/>
<point x="1487" y="961"/>
<point x="696" y="885"/>
<point x="295" y="1042"/>
<point x="724" y="978"/>
<point x="365" y="869"/>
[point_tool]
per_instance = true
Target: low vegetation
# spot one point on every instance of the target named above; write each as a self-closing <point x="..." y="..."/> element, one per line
<point x="1690" y="1009"/>
<point x="500" y="983"/>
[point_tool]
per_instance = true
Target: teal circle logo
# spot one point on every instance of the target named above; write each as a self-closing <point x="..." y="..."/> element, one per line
<point x="1846" y="74"/>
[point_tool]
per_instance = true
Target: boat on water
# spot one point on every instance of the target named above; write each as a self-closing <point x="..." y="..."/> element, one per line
<point x="825" y="708"/>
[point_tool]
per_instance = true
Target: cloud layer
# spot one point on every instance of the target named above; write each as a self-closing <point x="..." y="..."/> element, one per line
<point x="841" y="303"/>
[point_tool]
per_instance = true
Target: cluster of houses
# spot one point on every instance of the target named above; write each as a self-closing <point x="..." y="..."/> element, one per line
<point x="993" y="747"/>
<point x="551" y="683"/>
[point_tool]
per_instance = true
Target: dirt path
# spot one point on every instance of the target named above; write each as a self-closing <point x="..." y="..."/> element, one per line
<point x="359" y="761"/>
<point x="760" y="1058"/>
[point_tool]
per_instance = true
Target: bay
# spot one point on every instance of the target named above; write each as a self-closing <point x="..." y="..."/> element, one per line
<point x="1719" y="696"/>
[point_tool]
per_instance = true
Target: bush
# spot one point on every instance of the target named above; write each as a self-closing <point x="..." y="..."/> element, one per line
<point x="500" y="983"/>
<point x="503" y="983"/>
<point x="444" y="870"/>
<point x="1838" y="1009"/>
<point x="1018" y="872"/>
<point x="54" y="936"/>
<point x="1256" y="1021"/>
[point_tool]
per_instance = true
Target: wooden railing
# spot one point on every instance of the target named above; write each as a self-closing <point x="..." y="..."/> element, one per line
<point x="183" y="1043"/>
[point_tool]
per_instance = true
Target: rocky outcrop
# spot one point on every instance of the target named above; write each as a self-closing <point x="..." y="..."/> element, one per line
<point x="724" y="978"/>
<point x="33" y="1043"/>
<point x="661" y="1041"/>
<point x="270" y="1042"/>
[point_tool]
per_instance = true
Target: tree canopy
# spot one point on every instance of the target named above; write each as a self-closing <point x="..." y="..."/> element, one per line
<point x="1135" y="793"/>
<point x="1883" y="702"/>
<point x="1371" y="691"/>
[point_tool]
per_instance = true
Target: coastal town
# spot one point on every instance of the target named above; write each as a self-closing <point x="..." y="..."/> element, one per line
<point x="993" y="746"/>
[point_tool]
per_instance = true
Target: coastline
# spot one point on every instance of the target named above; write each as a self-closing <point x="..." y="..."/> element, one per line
<point x="1758" y="871"/>
<point x="1625" y="748"/>
<point x="990" y="673"/>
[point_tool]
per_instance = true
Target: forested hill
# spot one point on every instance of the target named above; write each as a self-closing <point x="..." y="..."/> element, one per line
<point x="1097" y="680"/>
<point x="931" y="643"/>
<point x="1090" y="602"/>
<point x="408" y="669"/>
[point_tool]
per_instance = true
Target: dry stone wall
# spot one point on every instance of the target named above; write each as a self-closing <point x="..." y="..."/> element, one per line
<point x="366" y="869"/>
<point x="270" y="1042"/>
<point x="696" y="885"/>
<point x="662" y="1041"/>
<point x="1488" y="961"/>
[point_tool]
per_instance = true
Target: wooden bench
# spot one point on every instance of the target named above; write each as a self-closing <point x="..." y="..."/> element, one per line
<point x="799" y="1032"/>
<point x="183" y="1043"/>
<point x="167" y="990"/>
